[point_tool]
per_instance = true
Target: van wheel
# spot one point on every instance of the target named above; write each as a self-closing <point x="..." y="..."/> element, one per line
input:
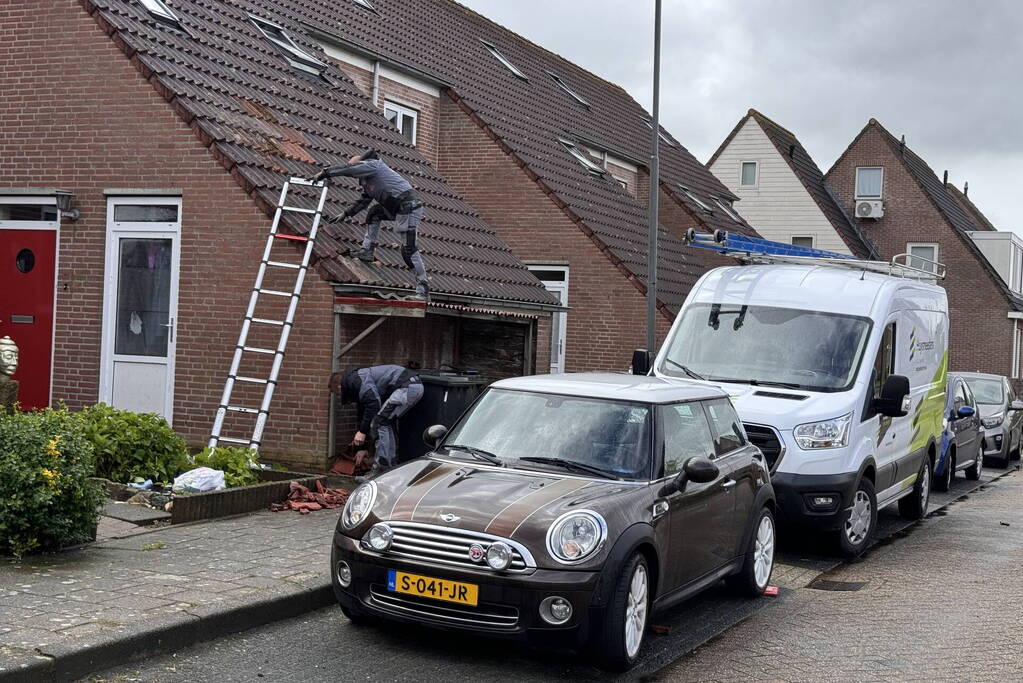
<point x="943" y="482"/>
<point x="756" y="570"/>
<point x="860" y="520"/>
<point x="621" y="639"/>
<point x="914" y="506"/>
<point x="973" y="471"/>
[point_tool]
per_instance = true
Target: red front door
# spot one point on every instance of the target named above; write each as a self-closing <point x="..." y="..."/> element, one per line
<point x="27" y="271"/>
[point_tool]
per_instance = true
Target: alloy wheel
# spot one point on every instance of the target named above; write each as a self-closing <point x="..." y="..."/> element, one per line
<point x="858" y="523"/>
<point x="763" y="551"/>
<point x="635" y="611"/>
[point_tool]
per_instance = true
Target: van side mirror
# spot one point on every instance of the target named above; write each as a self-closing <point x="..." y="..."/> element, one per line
<point x="894" y="393"/>
<point x="700" y="470"/>
<point x="641" y="362"/>
<point x="966" y="411"/>
<point x="1016" y="405"/>
<point x="434" y="435"/>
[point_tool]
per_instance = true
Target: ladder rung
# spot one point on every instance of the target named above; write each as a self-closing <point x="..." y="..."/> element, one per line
<point x="256" y="349"/>
<point x="274" y="292"/>
<point x="279" y="264"/>
<point x="243" y="409"/>
<point x="297" y="238"/>
<point x="297" y="209"/>
<point x="266" y="321"/>
<point x="233" y="440"/>
<point x="251" y="380"/>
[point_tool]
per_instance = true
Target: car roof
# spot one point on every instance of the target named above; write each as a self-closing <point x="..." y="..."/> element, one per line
<point x="976" y="375"/>
<point x="617" y="386"/>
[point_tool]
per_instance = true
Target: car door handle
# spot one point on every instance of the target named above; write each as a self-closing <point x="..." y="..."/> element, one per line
<point x="728" y="483"/>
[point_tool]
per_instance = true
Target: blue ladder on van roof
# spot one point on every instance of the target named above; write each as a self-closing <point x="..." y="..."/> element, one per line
<point x="731" y="243"/>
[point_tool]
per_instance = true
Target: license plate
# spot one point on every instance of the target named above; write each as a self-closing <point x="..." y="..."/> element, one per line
<point x="428" y="587"/>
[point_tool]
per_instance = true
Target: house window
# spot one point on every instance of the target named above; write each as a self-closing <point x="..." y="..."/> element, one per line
<point x="696" y="200"/>
<point x="296" y="56"/>
<point x="748" y="174"/>
<point x="583" y="158"/>
<point x="504" y="60"/>
<point x="160" y="11"/>
<point x="10" y="211"/>
<point x="561" y="84"/>
<point x="869" y="181"/>
<point x="726" y="206"/>
<point x="405" y="119"/>
<point x="923" y="256"/>
<point x="802" y="241"/>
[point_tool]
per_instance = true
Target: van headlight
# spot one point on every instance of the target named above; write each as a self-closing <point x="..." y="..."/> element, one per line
<point x="993" y="420"/>
<point x="574" y="536"/>
<point x="358" y="506"/>
<point x="833" y="433"/>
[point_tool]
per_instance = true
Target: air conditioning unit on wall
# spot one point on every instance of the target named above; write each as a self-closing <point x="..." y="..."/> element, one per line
<point x="869" y="209"/>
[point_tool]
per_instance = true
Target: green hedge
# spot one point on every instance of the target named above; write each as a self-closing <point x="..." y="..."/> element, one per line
<point x="46" y="498"/>
<point x="129" y="445"/>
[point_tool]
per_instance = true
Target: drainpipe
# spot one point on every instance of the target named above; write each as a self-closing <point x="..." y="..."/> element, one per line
<point x="376" y="83"/>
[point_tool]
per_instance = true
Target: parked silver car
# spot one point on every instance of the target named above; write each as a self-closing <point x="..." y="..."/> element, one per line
<point x="1001" y="414"/>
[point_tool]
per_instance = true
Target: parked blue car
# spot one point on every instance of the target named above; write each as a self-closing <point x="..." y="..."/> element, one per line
<point x="963" y="437"/>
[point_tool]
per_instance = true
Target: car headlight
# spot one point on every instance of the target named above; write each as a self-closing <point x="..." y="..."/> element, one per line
<point x="575" y="536"/>
<point x="993" y="420"/>
<point x="833" y="433"/>
<point x="358" y="506"/>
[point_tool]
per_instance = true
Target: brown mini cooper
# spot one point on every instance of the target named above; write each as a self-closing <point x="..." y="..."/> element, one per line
<point x="564" y="508"/>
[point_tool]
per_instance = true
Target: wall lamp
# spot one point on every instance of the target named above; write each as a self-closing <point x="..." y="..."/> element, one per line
<point x="64" y="199"/>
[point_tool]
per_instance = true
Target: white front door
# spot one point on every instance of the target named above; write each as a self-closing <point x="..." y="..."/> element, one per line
<point x="140" y="303"/>
<point x="555" y="280"/>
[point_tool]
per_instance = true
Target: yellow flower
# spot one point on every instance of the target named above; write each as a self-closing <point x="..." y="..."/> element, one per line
<point x="51" y="447"/>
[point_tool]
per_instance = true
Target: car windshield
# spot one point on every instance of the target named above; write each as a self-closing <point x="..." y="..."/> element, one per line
<point x="611" y="437"/>
<point x="988" y="391"/>
<point x="770" y="346"/>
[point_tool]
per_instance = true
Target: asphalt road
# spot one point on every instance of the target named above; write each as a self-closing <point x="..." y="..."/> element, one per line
<point x="325" y="646"/>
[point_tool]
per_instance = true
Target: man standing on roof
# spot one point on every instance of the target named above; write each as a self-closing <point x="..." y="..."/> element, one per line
<point x="396" y="200"/>
<point x="384" y="393"/>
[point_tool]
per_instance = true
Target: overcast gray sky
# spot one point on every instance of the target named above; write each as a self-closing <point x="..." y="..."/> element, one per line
<point x="946" y="73"/>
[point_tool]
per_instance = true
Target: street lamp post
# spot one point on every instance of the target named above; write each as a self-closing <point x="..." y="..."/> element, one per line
<point x="651" y="263"/>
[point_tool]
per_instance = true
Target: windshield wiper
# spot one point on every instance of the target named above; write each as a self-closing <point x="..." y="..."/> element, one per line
<point x="685" y="369"/>
<point x="572" y="465"/>
<point x="477" y="453"/>
<point x="757" y="382"/>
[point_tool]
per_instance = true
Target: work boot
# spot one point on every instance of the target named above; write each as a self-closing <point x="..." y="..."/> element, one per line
<point x="375" y="471"/>
<point x="422" y="292"/>
<point x="363" y="254"/>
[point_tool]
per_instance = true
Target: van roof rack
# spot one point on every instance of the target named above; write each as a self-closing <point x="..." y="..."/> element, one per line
<point x="758" y="250"/>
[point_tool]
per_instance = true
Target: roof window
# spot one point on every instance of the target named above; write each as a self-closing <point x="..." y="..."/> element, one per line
<point x="564" y="86"/>
<point x="161" y="12"/>
<point x="696" y="200"/>
<point x="660" y="133"/>
<point x="726" y="206"/>
<point x="296" y="56"/>
<point x="366" y="4"/>
<point x="582" y="158"/>
<point x="504" y="60"/>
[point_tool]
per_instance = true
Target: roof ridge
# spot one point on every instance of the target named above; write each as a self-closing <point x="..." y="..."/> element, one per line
<point x="761" y="117"/>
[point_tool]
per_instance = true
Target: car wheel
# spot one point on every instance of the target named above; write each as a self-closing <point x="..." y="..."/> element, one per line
<point x="914" y="506"/>
<point x="860" y="520"/>
<point x="756" y="569"/>
<point x="973" y="471"/>
<point x="621" y="639"/>
<point x="943" y="481"/>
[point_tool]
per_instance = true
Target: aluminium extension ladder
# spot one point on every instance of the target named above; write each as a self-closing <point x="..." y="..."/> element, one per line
<point x="270" y="382"/>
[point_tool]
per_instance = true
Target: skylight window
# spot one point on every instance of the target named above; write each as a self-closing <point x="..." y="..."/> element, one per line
<point x="504" y="60"/>
<point x="582" y="158"/>
<point x="366" y="4"/>
<point x="696" y="200"/>
<point x="564" y="86"/>
<point x="161" y="11"/>
<point x="660" y="133"/>
<point x="296" y="56"/>
<point x="726" y="206"/>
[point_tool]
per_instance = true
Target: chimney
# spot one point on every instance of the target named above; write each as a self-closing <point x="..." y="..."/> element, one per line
<point x="966" y="189"/>
<point x="944" y="180"/>
<point x="902" y="145"/>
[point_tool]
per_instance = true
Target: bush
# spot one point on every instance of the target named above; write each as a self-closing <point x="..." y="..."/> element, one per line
<point x="235" y="462"/>
<point x="129" y="445"/>
<point x="46" y="499"/>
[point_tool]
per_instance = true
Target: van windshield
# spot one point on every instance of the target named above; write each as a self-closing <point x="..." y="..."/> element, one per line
<point x="769" y="346"/>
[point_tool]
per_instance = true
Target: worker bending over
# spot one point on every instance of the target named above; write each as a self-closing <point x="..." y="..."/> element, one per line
<point x="395" y="200"/>
<point x="384" y="393"/>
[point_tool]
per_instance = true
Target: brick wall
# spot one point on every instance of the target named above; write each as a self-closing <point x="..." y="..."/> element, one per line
<point x="981" y="334"/>
<point x="78" y="115"/>
<point x="608" y="313"/>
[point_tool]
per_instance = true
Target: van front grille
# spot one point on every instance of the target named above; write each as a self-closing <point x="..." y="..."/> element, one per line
<point x="769" y="443"/>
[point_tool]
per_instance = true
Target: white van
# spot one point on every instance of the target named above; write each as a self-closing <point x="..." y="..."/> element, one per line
<point x="838" y="374"/>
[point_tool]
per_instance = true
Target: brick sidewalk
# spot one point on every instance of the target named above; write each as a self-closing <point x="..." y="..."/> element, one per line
<point x="80" y="606"/>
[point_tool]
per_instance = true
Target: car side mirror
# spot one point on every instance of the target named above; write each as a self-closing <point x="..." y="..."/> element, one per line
<point x="1016" y="405"/>
<point x="641" y="362"/>
<point x="700" y="470"/>
<point x="892" y="401"/>
<point x="966" y="411"/>
<point x="434" y="435"/>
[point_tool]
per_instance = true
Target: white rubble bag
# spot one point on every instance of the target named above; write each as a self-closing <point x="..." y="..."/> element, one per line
<point x="199" y="480"/>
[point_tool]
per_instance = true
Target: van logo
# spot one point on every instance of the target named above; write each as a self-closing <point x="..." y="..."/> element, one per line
<point x="449" y="518"/>
<point x="476" y="552"/>
<point x="916" y="345"/>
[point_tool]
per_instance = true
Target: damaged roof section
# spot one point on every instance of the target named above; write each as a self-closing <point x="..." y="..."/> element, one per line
<point x="267" y="118"/>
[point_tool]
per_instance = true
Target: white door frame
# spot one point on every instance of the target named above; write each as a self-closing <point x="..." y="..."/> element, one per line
<point x="116" y="231"/>
<point x="560" y="286"/>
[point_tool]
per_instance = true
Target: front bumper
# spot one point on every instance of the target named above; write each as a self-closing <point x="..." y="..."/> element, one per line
<point x="996" y="441"/>
<point x="795" y="494"/>
<point x="508" y="603"/>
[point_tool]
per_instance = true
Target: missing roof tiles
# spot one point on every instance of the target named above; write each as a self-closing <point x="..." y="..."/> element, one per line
<point x="564" y="86"/>
<point x="504" y="60"/>
<point x="161" y="12"/>
<point x="296" y="56"/>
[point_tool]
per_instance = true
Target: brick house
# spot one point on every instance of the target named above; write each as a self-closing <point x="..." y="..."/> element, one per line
<point x="554" y="158"/>
<point x="922" y="215"/>
<point x="174" y="126"/>
<point x="782" y="189"/>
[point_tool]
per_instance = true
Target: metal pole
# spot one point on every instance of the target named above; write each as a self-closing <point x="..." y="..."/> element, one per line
<point x="651" y="261"/>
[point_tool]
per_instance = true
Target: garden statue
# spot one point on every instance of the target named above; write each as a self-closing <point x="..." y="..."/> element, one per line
<point x="8" y="366"/>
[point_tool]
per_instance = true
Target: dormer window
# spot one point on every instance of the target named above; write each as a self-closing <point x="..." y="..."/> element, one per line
<point x="161" y="12"/>
<point x="696" y="200"/>
<point x="583" y="158"/>
<point x="504" y="60"/>
<point x="296" y="56"/>
<point x="564" y="86"/>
